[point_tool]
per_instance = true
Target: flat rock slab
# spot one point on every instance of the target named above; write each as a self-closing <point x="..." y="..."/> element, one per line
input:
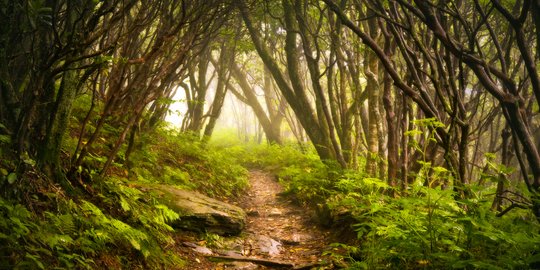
<point x="201" y="213"/>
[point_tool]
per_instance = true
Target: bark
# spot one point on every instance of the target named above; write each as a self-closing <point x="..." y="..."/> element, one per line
<point x="536" y="17"/>
<point x="50" y="151"/>
<point x="501" y="177"/>
<point x="371" y="71"/>
<point x="199" y="86"/>
<point x="221" y="90"/>
<point x="392" y="141"/>
<point x="295" y="94"/>
<point x="271" y="130"/>
<point x="315" y="75"/>
<point x="404" y="158"/>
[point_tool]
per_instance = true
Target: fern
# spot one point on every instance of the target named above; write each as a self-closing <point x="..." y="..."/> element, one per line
<point x="429" y="228"/>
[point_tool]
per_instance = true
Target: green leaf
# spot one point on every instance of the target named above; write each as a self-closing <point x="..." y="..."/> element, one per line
<point x="35" y="259"/>
<point x="5" y="139"/>
<point x="124" y="204"/>
<point x="135" y="243"/>
<point x="11" y="178"/>
<point x="534" y="259"/>
<point x="27" y="160"/>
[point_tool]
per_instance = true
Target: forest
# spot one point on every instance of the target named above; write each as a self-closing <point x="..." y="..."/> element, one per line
<point x="257" y="134"/>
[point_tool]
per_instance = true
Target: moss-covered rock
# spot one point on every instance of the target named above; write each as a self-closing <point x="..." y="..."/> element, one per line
<point x="201" y="213"/>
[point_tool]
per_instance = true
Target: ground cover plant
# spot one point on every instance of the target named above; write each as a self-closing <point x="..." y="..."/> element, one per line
<point x="411" y="127"/>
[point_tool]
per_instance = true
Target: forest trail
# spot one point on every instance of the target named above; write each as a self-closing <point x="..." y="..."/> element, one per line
<point x="277" y="230"/>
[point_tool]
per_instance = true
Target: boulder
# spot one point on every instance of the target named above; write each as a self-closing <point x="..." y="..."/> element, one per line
<point x="201" y="213"/>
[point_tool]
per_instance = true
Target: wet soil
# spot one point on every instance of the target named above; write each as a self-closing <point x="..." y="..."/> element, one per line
<point x="276" y="230"/>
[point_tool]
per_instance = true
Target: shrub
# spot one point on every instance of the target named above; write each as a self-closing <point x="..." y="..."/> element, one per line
<point x="80" y="234"/>
<point x="429" y="228"/>
<point x="183" y="160"/>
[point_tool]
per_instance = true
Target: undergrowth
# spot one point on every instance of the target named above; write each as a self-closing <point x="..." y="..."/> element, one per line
<point x="299" y="170"/>
<point x="430" y="229"/>
<point x="183" y="160"/>
<point x="427" y="228"/>
<point x="111" y="222"/>
<point x="116" y="228"/>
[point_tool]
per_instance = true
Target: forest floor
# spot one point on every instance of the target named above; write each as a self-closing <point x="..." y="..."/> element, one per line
<point x="277" y="231"/>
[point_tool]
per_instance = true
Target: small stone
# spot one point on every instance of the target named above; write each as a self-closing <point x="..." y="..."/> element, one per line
<point x="198" y="249"/>
<point x="268" y="245"/>
<point x="253" y="213"/>
<point x="228" y="253"/>
<point x="275" y="212"/>
<point x="243" y="266"/>
<point x="203" y="250"/>
<point x="290" y="242"/>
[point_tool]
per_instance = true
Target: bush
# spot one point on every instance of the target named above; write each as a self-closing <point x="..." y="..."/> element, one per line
<point x="182" y="160"/>
<point x="431" y="229"/>
<point x="117" y="228"/>
<point x="425" y="228"/>
<point x="300" y="171"/>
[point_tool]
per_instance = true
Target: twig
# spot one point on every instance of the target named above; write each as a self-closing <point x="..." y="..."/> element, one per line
<point x="512" y="206"/>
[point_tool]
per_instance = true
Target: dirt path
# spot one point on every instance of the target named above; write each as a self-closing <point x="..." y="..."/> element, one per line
<point x="276" y="217"/>
<point x="276" y="230"/>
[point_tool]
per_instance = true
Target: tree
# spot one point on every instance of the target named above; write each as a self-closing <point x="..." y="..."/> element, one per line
<point x="456" y="64"/>
<point x="49" y="51"/>
<point x="270" y="121"/>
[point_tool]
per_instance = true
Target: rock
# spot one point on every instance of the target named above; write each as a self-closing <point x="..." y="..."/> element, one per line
<point x="229" y="253"/>
<point x="289" y="242"/>
<point x="296" y="239"/>
<point x="301" y="237"/>
<point x="240" y="266"/>
<point x="198" y="249"/>
<point x="268" y="245"/>
<point x="275" y="212"/>
<point x="201" y="213"/>
<point x="253" y="213"/>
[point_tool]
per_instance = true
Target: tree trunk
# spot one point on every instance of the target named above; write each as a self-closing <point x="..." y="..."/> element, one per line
<point x="271" y="130"/>
<point x="225" y="60"/>
<point x="50" y="150"/>
<point x="371" y="71"/>
<point x="295" y="95"/>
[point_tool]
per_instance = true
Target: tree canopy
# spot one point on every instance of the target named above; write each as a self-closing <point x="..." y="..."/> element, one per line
<point x="442" y="94"/>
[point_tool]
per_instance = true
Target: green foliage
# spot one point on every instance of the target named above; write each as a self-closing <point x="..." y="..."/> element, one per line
<point x="114" y="224"/>
<point x="430" y="229"/>
<point x="5" y="139"/>
<point x="302" y="174"/>
<point x="496" y="170"/>
<point x="119" y="221"/>
<point x="139" y="208"/>
<point x="183" y="160"/>
<point x="424" y="128"/>
<point x="426" y="228"/>
<point x="213" y="240"/>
